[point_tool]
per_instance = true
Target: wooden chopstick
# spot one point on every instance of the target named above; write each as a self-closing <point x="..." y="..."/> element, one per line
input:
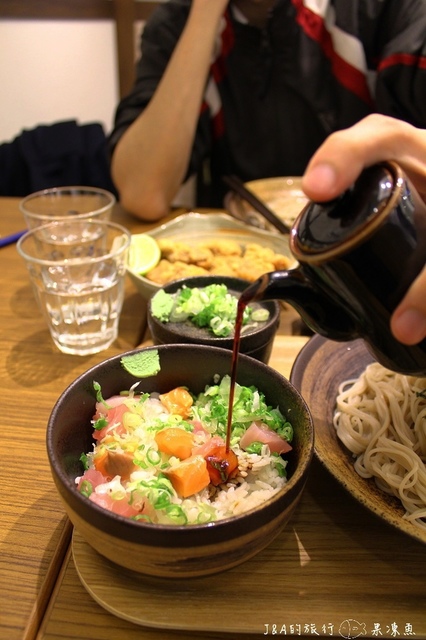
<point x="239" y="187"/>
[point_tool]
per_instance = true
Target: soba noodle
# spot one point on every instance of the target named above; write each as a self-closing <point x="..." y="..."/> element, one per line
<point x="381" y="418"/>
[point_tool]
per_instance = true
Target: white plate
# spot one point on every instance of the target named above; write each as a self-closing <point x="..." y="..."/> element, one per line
<point x="194" y="228"/>
<point x="284" y="196"/>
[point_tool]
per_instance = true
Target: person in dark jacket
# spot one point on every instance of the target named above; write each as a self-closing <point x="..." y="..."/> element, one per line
<point x="254" y="87"/>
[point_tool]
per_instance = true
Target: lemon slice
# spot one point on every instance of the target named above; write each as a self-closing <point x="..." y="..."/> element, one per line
<point x="144" y="253"/>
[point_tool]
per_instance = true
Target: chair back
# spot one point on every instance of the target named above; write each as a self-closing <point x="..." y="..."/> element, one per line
<point x="128" y="14"/>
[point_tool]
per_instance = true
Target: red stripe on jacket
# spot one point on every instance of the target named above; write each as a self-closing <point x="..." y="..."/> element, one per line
<point x="406" y="59"/>
<point x="218" y="72"/>
<point x="347" y="75"/>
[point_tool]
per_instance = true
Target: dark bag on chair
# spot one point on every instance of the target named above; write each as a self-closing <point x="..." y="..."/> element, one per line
<point x="60" y="154"/>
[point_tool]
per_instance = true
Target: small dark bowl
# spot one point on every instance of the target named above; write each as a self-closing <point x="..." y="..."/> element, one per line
<point x="256" y="343"/>
<point x="168" y="550"/>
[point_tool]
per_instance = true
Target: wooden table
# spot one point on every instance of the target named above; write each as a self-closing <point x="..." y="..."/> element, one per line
<point x="34" y="533"/>
<point x="339" y="561"/>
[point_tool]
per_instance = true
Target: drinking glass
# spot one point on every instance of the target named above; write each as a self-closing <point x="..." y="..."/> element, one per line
<point x="77" y="269"/>
<point x="57" y="203"/>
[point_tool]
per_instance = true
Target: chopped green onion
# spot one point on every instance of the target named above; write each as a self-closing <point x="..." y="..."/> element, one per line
<point x="86" y="488"/>
<point x="153" y="456"/>
<point x="157" y="491"/>
<point x="100" y="423"/>
<point x="176" y="514"/>
<point x="162" y="501"/>
<point x="285" y="431"/>
<point x="280" y="465"/>
<point x="84" y="459"/>
<point x="142" y="516"/>
<point x="255" y="447"/>
<point x="99" y="398"/>
<point x="205" y="516"/>
<point x="260" y="315"/>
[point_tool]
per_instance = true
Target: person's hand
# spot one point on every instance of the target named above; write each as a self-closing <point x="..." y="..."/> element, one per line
<point x="337" y="164"/>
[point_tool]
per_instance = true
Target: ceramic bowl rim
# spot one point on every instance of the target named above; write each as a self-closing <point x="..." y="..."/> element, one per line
<point x="232" y="282"/>
<point x="211" y="222"/>
<point x="213" y="532"/>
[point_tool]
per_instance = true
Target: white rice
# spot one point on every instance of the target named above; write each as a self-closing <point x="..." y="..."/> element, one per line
<point x="256" y="482"/>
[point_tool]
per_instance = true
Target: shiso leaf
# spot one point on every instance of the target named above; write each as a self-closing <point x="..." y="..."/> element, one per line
<point x="142" y="364"/>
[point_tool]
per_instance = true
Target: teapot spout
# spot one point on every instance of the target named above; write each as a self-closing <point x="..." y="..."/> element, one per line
<point x="319" y="311"/>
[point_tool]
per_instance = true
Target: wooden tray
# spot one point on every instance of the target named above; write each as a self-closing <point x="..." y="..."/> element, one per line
<point x="183" y="605"/>
<point x="334" y="563"/>
<point x="222" y="602"/>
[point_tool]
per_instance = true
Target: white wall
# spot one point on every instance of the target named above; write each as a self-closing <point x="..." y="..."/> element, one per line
<point x="56" y="70"/>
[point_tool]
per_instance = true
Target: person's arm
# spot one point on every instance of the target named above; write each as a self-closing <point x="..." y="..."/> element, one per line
<point x="339" y="161"/>
<point x="151" y="158"/>
<point x="398" y="51"/>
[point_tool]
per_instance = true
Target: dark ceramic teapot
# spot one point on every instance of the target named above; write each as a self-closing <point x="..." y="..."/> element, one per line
<point x="357" y="256"/>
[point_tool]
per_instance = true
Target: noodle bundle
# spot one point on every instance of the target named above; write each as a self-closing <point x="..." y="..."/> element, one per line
<point x="381" y="418"/>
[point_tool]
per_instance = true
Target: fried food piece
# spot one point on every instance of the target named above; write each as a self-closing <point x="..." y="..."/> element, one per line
<point x="281" y="262"/>
<point x="184" y="252"/>
<point x="202" y="256"/>
<point x="190" y="270"/>
<point x="175" y="251"/>
<point x="224" y="247"/>
<point x="169" y="247"/>
<point x="216" y="257"/>
<point x="254" y="251"/>
<point x="162" y="273"/>
<point x="251" y="269"/>
<point x="225" y="266"/>
<point x="166" y="271"/>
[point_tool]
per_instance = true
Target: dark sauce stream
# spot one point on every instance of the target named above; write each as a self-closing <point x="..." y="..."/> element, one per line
<point x="243" y="301"/>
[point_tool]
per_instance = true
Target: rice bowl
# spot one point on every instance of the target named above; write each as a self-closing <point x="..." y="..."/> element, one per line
<point x="164" y="550"/>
